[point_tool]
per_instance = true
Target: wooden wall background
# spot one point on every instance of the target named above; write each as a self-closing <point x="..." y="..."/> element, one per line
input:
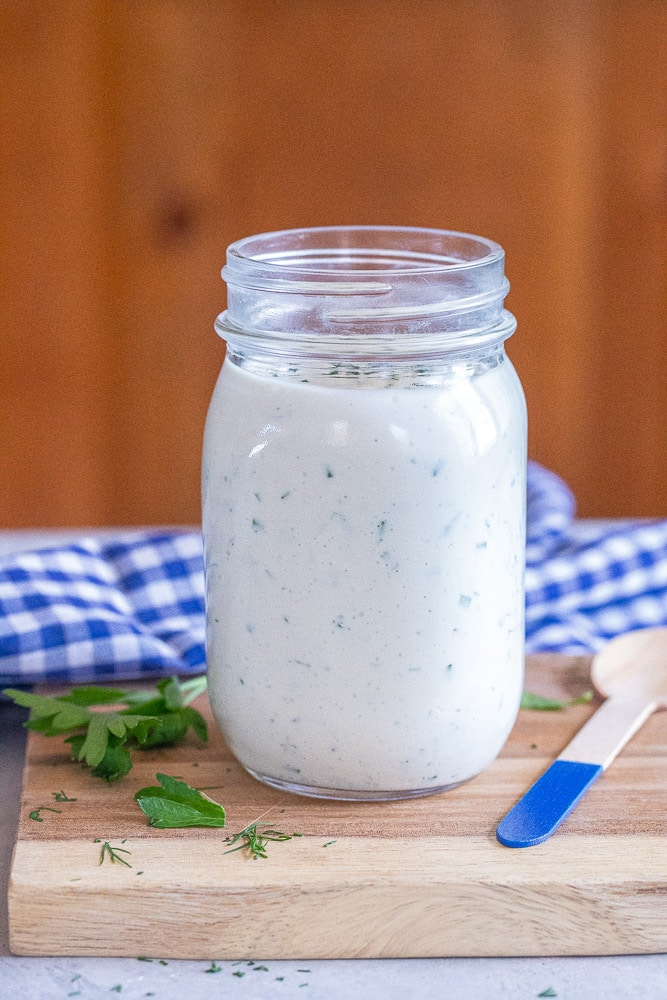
<point x="140" y="137"/>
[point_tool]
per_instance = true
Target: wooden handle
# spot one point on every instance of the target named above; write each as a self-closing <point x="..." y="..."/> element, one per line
<point x="607" y="731"/>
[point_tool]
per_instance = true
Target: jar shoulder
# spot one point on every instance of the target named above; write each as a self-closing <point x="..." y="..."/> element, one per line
<point x="244" y="401"/>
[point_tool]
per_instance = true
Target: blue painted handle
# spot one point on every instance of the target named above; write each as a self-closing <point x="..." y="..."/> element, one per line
<point x="546" y="804"/>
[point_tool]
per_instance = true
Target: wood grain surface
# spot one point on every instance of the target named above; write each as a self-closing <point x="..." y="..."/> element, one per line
<point x="405" y="879"/>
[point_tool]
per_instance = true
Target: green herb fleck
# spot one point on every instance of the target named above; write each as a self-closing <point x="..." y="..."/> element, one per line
<point x="260" y="968"/>
<point x="104" y="740"/>
<point x="255" y="837"/>
<point x="35" y="813"/>
<point x="238" y="973"/>
<point x="329" y="843"/>
<point x="116" y="989"/>
<point x="62" y="797"/>
<point x="538" y="703"/>
<point x="549" y="992"/>
<point x="112" y="853"/>
<point x="214" y="967"/>
<point x="176" y="804"/>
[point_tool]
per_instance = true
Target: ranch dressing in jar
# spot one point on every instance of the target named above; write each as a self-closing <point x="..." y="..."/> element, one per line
<point x="364" y="511"/>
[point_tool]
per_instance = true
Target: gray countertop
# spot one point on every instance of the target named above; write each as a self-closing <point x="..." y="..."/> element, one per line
<point x="55" y="978"/>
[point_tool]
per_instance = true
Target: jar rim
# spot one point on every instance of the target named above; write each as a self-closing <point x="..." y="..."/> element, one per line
<point x="386" y="289"/>
<point x="327" y="252"/>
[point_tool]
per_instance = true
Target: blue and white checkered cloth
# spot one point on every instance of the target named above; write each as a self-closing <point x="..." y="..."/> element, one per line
<point x="133" y="607"/>
<point x="103" y="610"/>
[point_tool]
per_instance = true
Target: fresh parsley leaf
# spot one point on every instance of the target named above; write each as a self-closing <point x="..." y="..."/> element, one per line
<point x="171" y="728"/>
<point x="175" y="804"/>
<point x="172" y="695"/>
<point x="115" y="764"/>
<point x="90" y="694"/>
<point x="538" y="703"/>
<point x="51" y="716"/>
<point x="103" y="739"/>
<point x="96" y="741"/>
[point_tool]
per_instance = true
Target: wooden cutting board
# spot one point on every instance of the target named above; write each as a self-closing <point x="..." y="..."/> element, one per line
<point x="405" y="879"/>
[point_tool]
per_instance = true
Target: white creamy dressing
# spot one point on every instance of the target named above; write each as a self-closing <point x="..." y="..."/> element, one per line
<point x="364" y="572"/>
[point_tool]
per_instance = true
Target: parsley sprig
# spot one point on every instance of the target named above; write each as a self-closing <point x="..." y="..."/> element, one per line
<point x="104" y="739"/>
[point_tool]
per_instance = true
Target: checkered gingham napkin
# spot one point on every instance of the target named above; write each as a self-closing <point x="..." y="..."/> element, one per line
<point x="132" y="606"/>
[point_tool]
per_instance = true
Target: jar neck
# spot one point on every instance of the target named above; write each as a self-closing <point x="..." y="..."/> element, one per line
<point x="364" y="297"/>
<point x="370" y="373"/>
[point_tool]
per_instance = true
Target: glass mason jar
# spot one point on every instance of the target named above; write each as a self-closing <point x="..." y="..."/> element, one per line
<point x="364" y="511"/>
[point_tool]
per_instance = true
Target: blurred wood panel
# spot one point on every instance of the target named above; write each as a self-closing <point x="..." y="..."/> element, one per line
<point x="53" y="388"/>
<point x="139" y="139"/>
